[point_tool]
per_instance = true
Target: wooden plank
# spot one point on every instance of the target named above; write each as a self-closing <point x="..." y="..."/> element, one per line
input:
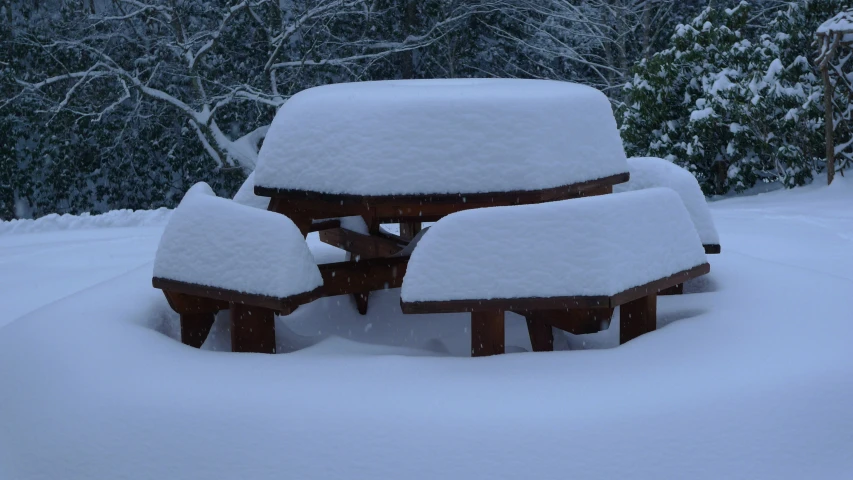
<point x="514" y="197"/>
<point x="653" y="287"/>
<point x="554" y="303"/>
<point x="506" y="304"/>
<point x="541" y="334"/>
<point x="319" y="226"/>
<point x="674" y="290"/>
<point x="712" y="249"/>
<point x="487" y="333"/>
<point x="282" y="305"/>
<point x="364" y="246"/>
<point x="252" y="329"/>
<point x="195" y="327"/>
<point x="343" y="278"/>
<point x="637" y="317"/>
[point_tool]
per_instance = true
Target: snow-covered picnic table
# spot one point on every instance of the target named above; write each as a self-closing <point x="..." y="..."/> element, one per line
<point x="409" y="152"/>
<point x="344" y="159"/>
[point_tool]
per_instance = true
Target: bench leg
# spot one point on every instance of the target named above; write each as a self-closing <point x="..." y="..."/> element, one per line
<point x="487" y="333"/>
<point x="637" y="317"/>
<point x="195" y="327"/>
<point x="252" y="329"/>
<point x="541" y="334"/>
<point x="361" y="301"/>
<point x="674" y="290"/>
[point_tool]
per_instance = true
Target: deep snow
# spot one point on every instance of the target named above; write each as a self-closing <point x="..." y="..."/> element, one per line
<point x="750" y="377"/>
<point x="618" y="242"/>
<point x="495" y="135"/>
<point x="651" y="172"/>
<point x="220" y="243"/>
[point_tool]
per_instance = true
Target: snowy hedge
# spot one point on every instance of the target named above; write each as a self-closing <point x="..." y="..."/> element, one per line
<point x="734" y="105"/>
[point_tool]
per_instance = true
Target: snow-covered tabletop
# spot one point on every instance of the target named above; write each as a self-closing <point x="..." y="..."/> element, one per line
<point x="587" y="247"/>
<point x="216" y="242"/>
<point x="650" y="172"/>
<point x="433" y="137"/>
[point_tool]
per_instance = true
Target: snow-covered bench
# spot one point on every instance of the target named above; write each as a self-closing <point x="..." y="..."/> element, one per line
<point x="652" y="172"/>
<point x="216" y="254"/>
<point x="563" y="264"/>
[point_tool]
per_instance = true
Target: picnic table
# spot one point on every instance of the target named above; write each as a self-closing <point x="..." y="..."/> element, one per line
<point x="375" y="150"/>
<point x="345" y="159"/>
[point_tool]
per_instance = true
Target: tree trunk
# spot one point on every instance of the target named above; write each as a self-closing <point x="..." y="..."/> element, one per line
<point x="407" y="62"/>
<point x="828" y="127"/>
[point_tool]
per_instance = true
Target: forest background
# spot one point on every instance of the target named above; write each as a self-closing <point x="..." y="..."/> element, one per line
<point x="108" y="104"/>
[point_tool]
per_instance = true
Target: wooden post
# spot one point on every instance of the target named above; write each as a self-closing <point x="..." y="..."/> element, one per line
<point x="541" y="334"/>
<point x="195" y="327"/>
<point x="408" y="230"/>
<point x="637" y="317"/>
<point x="252" y="329"/>
<point x="302" y="219"/>
<point x="487" y="333"/>
<point x="361" y="300"/>
<point x="828" y="122"/>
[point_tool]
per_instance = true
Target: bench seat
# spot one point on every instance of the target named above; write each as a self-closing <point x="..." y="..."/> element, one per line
<point x="564" y="264"/>
<point x="216" y="254"/>
<point x="652" y="172"/>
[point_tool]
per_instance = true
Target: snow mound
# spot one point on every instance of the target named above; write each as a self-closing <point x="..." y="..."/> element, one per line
<point x="440" y="136"/>
<point x="589" y="246"/>
<point x="112" y="219"/>
<point x="650" y="172"/>
<point x="246" y="194"/>
<point x="219" y="243"/>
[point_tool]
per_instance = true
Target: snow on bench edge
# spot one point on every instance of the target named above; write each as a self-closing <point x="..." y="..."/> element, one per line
<point x="441" y="136"/>
<point x="583" y="247"/>
<point x="650" y="172"/>
<point x="219" y="243"/>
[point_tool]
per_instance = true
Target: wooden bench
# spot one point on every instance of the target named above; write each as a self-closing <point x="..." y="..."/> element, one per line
<point x="573" y="314"/>
<point x="566" y="265"/>
<point x="652" y="172"/>
<point x="211" y="244"/>
<point x="216" y="254"/>
<point x="252" y="328"/>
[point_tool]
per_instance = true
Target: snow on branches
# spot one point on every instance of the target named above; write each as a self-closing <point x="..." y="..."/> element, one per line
<point x="183" y="55"/>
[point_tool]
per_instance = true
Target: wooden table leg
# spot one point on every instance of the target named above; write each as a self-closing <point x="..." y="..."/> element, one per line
<point x="195" y="327"/>
<point x="674" y="290"/>
<point x="487" y="333"/>
<point x="637" y="317"/>
<point x="541" y="334"/>
<point x="408" y="230"/>
<point x="302" y="219"/>
<point x="361" y="301"/>
<point x="252" y="329"/>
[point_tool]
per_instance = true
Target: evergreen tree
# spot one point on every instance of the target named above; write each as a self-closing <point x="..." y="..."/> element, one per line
<point x="675" y="101"/>
<point x="734" y="111"/>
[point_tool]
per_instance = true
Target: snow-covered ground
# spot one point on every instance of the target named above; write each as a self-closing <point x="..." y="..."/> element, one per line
<point x="750" y="376"/>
